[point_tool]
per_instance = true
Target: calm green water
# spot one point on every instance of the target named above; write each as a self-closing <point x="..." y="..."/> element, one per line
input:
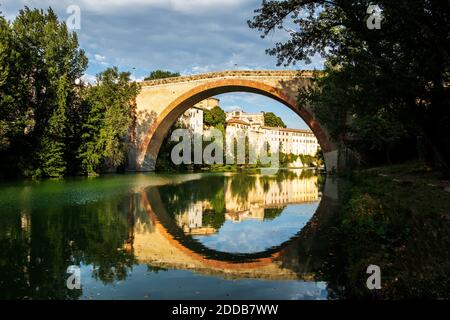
<point x="149" y="236"/>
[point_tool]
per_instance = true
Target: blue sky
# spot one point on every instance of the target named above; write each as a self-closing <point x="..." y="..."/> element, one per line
<point x="186" y="36"/>
<point x="251" y="236"/>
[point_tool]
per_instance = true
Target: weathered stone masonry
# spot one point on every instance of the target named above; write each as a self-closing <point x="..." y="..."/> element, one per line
<point x="161" y="102"/>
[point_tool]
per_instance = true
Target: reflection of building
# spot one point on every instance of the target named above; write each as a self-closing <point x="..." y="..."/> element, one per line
<point x="268" y="193"/>
<point x="252" y="125"/>
<point x="253" y="213"/>
<point x="152" y="243"/>
<point x="263" y="194"/>
<point x="191" y="220"/>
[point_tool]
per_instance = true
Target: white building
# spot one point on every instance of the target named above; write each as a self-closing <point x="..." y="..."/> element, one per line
<point x="192" y="119"/>
<point x="240" y="123"/>
<point x="255" y="120"/>
<point x="291" y="141"/>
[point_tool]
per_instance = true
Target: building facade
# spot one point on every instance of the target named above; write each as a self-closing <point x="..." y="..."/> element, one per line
<point x="252" y="126"/>
<point x="255" y="120"/>
<point x="289" y="141"/>
<point x="192" y="119"/>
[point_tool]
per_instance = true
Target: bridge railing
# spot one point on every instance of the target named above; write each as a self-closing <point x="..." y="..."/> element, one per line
<point x="233" y="74"/>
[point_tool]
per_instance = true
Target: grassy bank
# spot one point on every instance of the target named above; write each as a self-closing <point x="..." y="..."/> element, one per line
<point x="398" y="218"/>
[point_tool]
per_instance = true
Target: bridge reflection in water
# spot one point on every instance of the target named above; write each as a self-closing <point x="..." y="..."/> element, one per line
<point x="205" y="228"/>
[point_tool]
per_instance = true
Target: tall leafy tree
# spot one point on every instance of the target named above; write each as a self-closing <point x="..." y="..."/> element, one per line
<point x="394" y="76"/>
<point x="15" y="112"/>
<point x="271" y="120"/>
<point x="52" y="146"/>
<point x="51" y="62"/>
<point x="108" y="121"/>
<point x="51" y="126"/>
<point x="214" y="117"/>
<point x="161" y="74"/>
<point x="6" y="62"/>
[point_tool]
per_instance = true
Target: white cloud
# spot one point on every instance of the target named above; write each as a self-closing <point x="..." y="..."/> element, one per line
<point x="185" y="6"/>
<point x="198" y="69"/>
<point x="137" y="79"/>
<point x="186" y="36"/>
<point x="99" y="58"/>
<point x="232" y="108"/>
<point x="88" y="78"/>
<point x="122" y="6"/>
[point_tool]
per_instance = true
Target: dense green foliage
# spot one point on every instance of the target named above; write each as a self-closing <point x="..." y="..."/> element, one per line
<point x="272" y="120"/>
<point x="40" y="61"/>
<point x="45" y="111"/>
<point x="214" y="117"/>
<point x="178" y="199"/>
<point x="384" y="91"/>
<point x="161" y="74"/>
<point x="108" y="119"/>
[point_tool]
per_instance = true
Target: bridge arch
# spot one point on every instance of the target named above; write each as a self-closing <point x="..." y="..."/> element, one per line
<point x="150" y="144"/>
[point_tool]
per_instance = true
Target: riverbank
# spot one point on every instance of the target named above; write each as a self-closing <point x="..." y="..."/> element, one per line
<point x="230" y="168"/>
<point x="398" y="218"/>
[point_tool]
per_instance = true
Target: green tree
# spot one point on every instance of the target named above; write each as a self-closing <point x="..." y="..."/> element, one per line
<point x="397" y="75"/>
<point x="51" y="151"/>
<point x="49" y="63"/>
<point x="161" y="74"/>
<point x="271" y="120"/>
<point x="15" y="109"/>
<point x="214" y="117"/>
<point x="50" y="125"/>
<point x="6" y="96"/>
<point x="108" y="121"/>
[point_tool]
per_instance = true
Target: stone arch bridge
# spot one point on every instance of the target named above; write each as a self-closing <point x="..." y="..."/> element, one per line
<point x="161" y="102"/>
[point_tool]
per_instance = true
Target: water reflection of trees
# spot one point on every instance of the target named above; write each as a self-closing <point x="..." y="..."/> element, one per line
<point x="240" y="185"/>
<point x="177" y="198"/>
<point x="102" y="243"/>
<point x="272" y="213"/>
<point x="215" y="192"/>
<point x="38" y="246"/>
<point x="215" y="217"/>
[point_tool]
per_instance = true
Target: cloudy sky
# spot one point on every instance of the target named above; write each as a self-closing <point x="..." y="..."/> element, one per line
<point x="186" y="36"/>
<point x="252" y="235"/>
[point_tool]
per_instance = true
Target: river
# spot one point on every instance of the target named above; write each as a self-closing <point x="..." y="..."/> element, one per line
<point x="163" y="236"/>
